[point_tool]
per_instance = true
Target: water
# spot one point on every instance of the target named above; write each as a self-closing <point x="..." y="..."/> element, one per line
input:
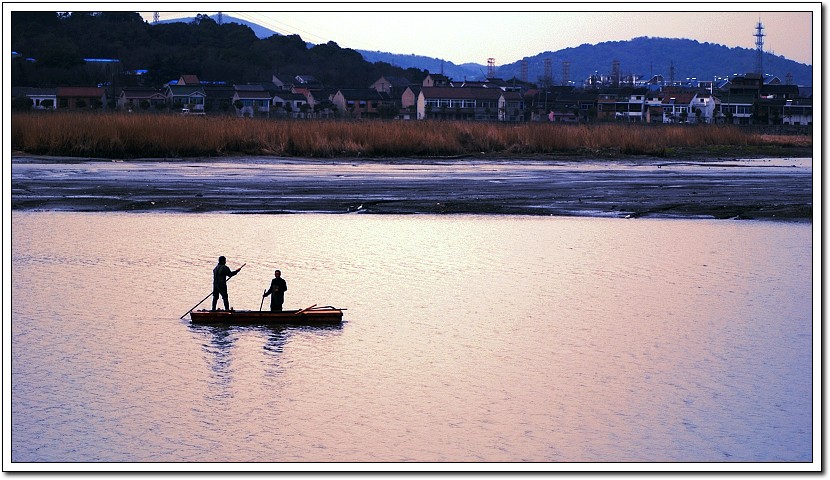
<point x="466" y="339"/>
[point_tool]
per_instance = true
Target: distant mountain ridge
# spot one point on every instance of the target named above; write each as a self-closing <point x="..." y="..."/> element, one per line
<point x="642" y="56"/>
<point x="646" y="56"/>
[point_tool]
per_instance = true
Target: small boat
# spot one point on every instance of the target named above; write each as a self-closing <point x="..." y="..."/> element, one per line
<point x="312" y="315"/>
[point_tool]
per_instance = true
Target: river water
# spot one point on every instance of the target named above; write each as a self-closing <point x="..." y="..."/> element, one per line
<point x="587" y="341"/>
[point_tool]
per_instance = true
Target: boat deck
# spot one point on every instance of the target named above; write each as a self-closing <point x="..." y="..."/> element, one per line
<point x="307" y="316"/>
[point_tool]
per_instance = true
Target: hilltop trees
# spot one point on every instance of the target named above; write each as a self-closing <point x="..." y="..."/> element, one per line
<point x="57" y="43"/>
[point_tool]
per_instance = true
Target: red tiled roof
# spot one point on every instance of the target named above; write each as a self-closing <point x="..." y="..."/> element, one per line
<point x="80" y="92"/>
<point x="189" y="80"/>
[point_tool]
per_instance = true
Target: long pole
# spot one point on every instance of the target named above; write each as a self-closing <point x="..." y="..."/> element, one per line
<point x="206" y="297"/>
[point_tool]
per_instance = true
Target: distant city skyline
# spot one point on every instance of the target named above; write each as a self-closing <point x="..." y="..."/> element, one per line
<point x="509" y="32"/>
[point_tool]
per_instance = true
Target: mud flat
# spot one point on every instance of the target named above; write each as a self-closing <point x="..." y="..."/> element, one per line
<point x="763" y="188"/>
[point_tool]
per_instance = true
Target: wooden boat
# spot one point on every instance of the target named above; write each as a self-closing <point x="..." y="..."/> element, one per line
<point x="312" y="315"/>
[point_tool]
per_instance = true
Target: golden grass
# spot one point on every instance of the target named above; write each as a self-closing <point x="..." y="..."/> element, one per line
<point x="166" y="136"/>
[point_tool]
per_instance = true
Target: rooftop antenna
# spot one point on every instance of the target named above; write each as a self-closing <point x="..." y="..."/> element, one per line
<point x="759" y="48"/>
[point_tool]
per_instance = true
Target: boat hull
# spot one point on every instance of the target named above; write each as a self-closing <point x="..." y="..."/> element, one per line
<point x="324" y="315"/>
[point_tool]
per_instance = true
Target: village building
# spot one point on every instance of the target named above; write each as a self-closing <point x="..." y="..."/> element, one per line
<point x="191" y="97"/>
<point x="290" y="105"/>
<point x="218" y="97"/>
<point x="140" y="99"/>
<point x="81" y="97"/>
<point x="362" y="103"/>
<point x="251" y="101"/>
<point x="41" y="98"/>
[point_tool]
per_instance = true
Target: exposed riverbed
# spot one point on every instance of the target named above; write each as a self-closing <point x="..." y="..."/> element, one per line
<point x="742" y="188"/>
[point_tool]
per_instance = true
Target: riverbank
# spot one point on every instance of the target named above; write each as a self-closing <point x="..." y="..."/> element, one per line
<point x="770" y="189"/>
<point x="130" y="136"/>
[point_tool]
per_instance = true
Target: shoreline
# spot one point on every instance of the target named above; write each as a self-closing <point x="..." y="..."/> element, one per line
<point x="777" y="188"/>
<point x="677" y="154"/>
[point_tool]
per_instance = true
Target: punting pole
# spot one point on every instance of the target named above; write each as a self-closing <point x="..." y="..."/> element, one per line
<point x="206" y="297"/>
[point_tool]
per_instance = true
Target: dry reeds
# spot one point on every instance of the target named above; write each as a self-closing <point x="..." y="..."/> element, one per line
<point x="169" y="136"/>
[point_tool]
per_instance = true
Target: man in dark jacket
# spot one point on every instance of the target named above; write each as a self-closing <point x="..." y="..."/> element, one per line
<point x="277" y="291"/>
<point x="221" y="274"/>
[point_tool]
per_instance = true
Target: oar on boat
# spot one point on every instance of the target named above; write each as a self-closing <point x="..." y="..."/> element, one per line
<point x="206" y="297"/>
<point x="300" y="312"/>
<point x="263" y="299"/>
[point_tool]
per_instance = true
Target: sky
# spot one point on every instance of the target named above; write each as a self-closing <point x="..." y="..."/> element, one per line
<point x="508" y="32"/>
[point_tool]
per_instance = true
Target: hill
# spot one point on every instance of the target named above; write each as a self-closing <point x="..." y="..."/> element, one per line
<point x="642" y="56"/>
<point x="241" y="51"/>
<point x="58" y="43"/>
<point x="646" y="56"/>
<point x="260" y="31"/>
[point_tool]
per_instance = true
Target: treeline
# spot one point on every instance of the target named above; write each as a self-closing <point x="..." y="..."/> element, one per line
<point x="58" y="43"/>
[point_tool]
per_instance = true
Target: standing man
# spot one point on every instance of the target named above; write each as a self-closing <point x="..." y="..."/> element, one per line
<point x="277" y="291"/>
<point x="221" y="274"/>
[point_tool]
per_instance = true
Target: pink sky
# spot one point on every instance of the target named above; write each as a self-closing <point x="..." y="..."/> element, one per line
<point x="511" y="31"/>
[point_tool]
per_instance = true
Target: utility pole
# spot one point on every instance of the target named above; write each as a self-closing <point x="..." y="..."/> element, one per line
<point x="566" y="73"/>
<point x="671" y="73"/>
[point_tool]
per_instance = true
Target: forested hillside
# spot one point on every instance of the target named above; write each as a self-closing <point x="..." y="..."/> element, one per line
<point x="228" y="52"/>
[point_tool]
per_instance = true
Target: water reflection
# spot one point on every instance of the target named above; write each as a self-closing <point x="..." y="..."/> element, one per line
<point x="466" y="339"/>
<point x="221" y="345"/>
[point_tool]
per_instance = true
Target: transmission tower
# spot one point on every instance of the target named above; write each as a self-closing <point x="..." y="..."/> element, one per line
<point x="155" y="17"/>
<point x="524" y="71"/>
<point x="219" y="18"/>
<point x="615" y="73"/>
<point x="491" y="68"/>
<point x="759" y="48"/>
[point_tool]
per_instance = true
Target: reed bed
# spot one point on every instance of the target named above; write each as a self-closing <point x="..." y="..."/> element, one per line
<point x="171" y="136"/>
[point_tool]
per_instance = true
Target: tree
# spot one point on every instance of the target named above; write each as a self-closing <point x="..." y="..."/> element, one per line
<point x="22" y="103"/>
